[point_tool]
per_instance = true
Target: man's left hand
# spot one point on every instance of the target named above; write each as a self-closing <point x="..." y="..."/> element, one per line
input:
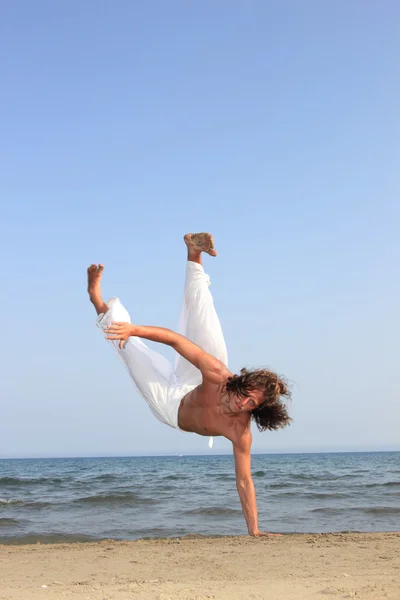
<point x="119" y="331"/>
<point x="265" y="534"/>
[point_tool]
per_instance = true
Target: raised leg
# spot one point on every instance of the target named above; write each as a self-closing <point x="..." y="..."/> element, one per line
<point x="199" y="321"/>
<point x="150" y="371"/>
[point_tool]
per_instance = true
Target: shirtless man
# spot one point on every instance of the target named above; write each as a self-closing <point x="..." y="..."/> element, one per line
<point x="199" y="394"/>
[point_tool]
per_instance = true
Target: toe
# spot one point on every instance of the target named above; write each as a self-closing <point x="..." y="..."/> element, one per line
<point x="210" y="243"/>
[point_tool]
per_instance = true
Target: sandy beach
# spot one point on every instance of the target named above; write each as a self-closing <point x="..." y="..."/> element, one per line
<point x="291" y="567"/>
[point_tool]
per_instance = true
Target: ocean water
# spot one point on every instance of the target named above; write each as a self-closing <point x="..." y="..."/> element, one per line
<point x="58" y="500"/>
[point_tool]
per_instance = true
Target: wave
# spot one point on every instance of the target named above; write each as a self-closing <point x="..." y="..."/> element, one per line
<point x="97" y="480"/>
<point x="213" y="511"/>
<point x="372" y="510"/>
<point x="356" y="488"/>
<point x="221" y="476"/>
<point x="323" y="477"/>
<point x="313" y="495"/>
<point x="116" y="498"/>
<point x="386" y="484"/>
<point x="17" y="481"/>
<point x="382" y="510"/>
<point x="163" y="487"/>
<point x="258" y="474"/>
<point x="25" y="503"/>
<point x="175" y="477"/>
<point x="105" y="477"/>
<point x="283" y="485"/>
<point x="4" y="522"/>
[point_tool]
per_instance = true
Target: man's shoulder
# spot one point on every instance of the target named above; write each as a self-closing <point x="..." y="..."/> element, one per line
<point x="238" y="430"/>
<point x="242" y="443"/>
<point x="217" y="387"/>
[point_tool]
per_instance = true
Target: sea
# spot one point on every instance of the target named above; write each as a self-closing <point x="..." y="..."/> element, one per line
<point x="89" y="499"/>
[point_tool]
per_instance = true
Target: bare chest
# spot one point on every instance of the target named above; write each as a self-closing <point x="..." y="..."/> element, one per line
<point x="201" y="413"/>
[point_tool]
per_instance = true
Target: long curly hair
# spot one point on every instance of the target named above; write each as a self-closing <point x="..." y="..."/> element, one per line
<point x="272" y="413"/>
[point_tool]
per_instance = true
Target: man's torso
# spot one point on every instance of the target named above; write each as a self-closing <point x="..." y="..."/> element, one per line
<point x="202" y="411"/>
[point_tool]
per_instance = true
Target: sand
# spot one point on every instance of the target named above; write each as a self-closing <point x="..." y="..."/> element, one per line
<point x="291" y="567"/>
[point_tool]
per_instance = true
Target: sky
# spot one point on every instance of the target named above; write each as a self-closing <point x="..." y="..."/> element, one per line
<point x="274" y="125"/>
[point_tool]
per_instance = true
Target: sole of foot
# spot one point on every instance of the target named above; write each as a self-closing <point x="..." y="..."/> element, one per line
<point x="200" y="242"/>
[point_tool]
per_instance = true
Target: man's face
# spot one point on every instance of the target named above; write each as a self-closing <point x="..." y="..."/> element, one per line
<point x="238" y="404"/>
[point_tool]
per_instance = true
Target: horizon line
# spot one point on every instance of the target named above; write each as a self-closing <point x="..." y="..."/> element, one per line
<point x="181" y="455"/>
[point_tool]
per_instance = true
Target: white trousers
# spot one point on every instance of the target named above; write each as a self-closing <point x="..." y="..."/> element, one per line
<point x="162" y="384"/>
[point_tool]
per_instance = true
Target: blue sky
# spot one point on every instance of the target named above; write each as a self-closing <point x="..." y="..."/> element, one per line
<point x="275" y="125"/>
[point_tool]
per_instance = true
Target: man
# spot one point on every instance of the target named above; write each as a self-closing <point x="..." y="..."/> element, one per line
<point x="199" y="394"/>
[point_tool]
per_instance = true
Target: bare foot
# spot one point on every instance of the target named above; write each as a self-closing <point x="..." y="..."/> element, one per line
<point x="94" y="277"/>
<point x="200" y="242"/>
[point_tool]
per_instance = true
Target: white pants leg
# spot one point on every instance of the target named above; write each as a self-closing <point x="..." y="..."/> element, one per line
<point x="199" y="323"/>
<point x="151" y="372"/>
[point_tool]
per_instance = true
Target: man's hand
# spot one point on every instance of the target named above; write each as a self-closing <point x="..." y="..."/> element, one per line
<point x="120" y="331"/>
<point x="265" y="534"/>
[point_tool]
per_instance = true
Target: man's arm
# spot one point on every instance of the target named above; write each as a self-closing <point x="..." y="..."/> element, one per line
<point x="212" y="369"/>
<point x="244" y="481"/>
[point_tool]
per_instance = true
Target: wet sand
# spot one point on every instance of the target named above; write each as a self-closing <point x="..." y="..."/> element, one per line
<point x="291" y="567"/>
